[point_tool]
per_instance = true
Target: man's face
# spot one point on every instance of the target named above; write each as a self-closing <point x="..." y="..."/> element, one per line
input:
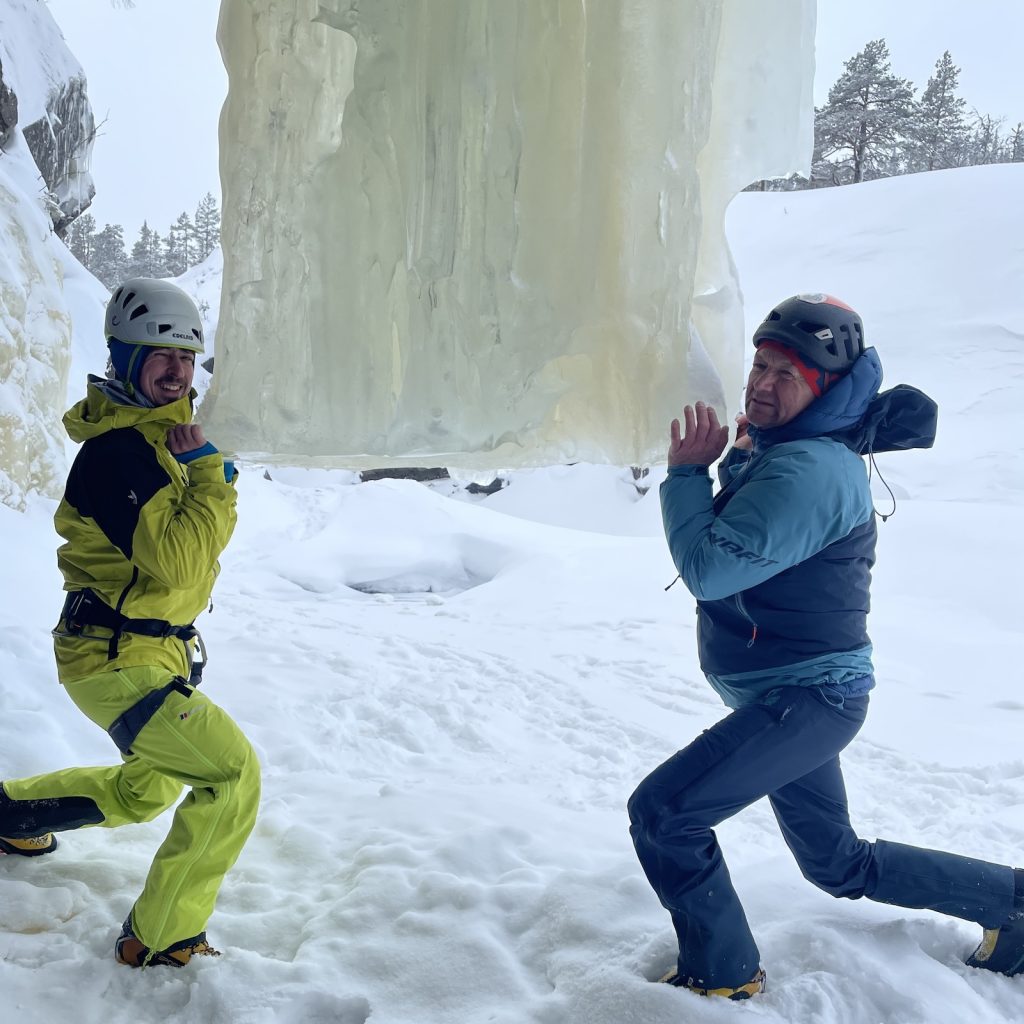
<point x="776" y="391"/>
<point x="166" y="374"/>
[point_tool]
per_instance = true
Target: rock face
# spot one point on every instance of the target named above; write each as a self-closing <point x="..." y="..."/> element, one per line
<point x="61" y="143"/>
<point x="43" y="92"/>
<point x="491" y="234"/>
<point x="8" y="109"/>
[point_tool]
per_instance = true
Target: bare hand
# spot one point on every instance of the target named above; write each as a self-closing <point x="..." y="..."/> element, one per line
<point x="743" y="440"/>
<point x="185" y="437"/>
<point x="704" y="441"/>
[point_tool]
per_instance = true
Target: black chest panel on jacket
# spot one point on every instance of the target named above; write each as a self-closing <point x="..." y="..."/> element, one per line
<point x="111" y="479"/>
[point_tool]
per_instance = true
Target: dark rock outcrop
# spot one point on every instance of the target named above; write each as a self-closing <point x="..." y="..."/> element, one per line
<point x="8" y="109"/>
<point x="60" y="133"/>
<point x="61" y="145"/>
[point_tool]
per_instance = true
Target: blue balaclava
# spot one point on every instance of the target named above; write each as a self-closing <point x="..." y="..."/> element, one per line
<point x="127" y="360"/>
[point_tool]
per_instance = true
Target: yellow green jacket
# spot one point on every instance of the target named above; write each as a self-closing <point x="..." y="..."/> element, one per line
<point x="141" y="529"/>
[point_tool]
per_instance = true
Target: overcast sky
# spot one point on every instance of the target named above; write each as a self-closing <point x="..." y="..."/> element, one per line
<point x="156" y="77"/>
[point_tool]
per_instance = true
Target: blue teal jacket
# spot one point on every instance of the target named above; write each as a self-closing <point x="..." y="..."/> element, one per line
<point x="780" y="559"/>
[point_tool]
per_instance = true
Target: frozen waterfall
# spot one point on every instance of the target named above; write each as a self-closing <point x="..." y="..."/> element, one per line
<point x="46" y="129"/>
<point x="490" y="234"/>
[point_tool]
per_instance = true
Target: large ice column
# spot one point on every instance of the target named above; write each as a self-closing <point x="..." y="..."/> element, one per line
<point x="481" y="233"/>
<point x="761" y="126"/>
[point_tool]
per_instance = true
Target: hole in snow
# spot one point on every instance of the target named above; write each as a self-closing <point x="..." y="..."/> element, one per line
<point x="414" y="587"/>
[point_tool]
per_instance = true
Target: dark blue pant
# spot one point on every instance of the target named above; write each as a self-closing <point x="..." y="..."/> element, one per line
<point x="786" y="749"/>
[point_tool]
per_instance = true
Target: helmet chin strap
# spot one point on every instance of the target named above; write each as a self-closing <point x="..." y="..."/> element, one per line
<point x="130" y="372"/>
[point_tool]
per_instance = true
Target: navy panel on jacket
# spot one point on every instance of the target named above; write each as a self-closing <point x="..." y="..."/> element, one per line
<point x="789" y="628"/>
<point x="112" y="477"/>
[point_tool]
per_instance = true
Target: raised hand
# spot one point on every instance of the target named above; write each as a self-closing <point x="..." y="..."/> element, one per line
<point x="704" y="439"/>
<point x="185" y="437"/>
<point x="743" y="440"/>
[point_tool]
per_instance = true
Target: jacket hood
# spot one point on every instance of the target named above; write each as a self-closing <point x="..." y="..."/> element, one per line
<point x="854" y="412"/>
<point x="107" y="406"/>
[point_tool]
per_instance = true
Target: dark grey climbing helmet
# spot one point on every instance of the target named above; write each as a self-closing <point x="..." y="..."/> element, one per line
<point x="822" y="328"/>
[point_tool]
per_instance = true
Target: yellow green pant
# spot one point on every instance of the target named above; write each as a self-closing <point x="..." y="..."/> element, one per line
<point x="188" y="742"/>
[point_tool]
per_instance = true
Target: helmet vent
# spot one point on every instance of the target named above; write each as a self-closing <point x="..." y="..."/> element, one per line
<point x="810" y="328"/>
<point x="161" y="328"/>
<point x="140" y="311"/>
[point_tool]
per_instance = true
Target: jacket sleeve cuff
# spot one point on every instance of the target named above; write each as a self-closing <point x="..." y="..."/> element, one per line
<point x="210" y="469"/>
<point x="196" y="453"/>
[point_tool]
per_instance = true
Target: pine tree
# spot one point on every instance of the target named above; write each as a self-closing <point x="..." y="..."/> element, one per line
<point x="171" y="256"/>
<point x="159" y="255"/>
<point x="180" y="247"/>
<point x="207" y="227"/>
<point x="109" y="259"/>
<point x="867" y="116"/>
<point x="81" y="239"/>
<point x="985" y="142"/>
<point x="1015" y="145"/>
<point x="147" y="258"/>
<point x="940" y="125"/>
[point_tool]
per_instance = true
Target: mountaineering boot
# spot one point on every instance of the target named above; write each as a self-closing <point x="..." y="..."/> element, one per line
<point x="754" y="987"/>
<point x="129" y="950"/>
<point x="34" y="847"/>
<point x="1002" y="949"/>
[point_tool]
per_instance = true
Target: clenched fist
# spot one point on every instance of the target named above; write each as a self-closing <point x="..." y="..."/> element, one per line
<point x="185" y="437"/>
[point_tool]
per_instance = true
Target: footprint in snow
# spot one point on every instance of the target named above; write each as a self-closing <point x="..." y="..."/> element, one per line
<point x="321" y="1008"/>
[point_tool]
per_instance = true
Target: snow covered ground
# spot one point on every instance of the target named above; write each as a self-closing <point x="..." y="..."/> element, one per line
<point x="452" y="698"/>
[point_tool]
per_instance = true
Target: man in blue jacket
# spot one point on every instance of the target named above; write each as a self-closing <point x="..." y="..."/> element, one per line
<point x="779" y="561"/>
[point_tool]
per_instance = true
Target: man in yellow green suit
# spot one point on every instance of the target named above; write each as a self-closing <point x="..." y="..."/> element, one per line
<point x="149" y="506"/>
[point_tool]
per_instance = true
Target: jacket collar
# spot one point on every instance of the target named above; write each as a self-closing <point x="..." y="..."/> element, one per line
<point x="107" y="406"/>
<point x="841" y="407"/>
<point x="854" y="413"/>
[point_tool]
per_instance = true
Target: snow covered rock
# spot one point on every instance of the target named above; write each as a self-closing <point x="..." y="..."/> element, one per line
<point x="46" y="130"/>
<point x="8" y="108"/>
<point x="43" y="91"/>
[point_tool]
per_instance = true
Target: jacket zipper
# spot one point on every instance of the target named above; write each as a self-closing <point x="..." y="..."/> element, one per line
<point x="743" y="611"/>
<point x="131" y="583"/>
